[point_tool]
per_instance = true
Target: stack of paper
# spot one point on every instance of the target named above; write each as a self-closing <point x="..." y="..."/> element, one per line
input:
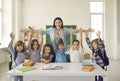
<point x="51" y="67"/>
<point x="88" y="68"/>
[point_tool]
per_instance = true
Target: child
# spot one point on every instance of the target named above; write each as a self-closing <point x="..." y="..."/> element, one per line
<point x="48" y="54"/>
<point x="98" y="51"/>
<point x="76" y="48"/>
<point x="34" y="47"/>
<point x="60" y="52"/>
<point x="18" y="51"/>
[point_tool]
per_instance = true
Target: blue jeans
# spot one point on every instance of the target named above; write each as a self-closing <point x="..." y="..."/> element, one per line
<point x="100" y="78"/>
<point x="18" y="78"/>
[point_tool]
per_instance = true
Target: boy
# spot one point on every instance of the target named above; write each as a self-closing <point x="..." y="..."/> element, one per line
<point x="98" y="51"/>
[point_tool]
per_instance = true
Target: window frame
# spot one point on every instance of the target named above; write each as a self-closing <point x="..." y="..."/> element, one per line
<point x="1" y="29"/>
<point x="99" y="13"/>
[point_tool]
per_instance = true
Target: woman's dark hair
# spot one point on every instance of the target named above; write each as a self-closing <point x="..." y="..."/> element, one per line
<point x="32" y="43"/>
<point x="51" y="52"/>
<point x="76" y="41"/>
<point x="57" y="18"/>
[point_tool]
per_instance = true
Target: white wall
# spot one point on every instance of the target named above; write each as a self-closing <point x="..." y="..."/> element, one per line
<point x="7" y="20"/>
<point x="118" y="28"/>
<point x="112" y="28"/>
<point x="40" y="13"/>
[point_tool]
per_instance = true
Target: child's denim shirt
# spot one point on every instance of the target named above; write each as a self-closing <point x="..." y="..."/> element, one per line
<point x="35" y="55"/>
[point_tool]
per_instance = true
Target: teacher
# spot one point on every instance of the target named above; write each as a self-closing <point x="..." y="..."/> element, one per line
<point x="58" y="31"/>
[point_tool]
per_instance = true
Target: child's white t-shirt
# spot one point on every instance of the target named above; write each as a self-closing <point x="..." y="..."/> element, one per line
<point x="76" y="56"/>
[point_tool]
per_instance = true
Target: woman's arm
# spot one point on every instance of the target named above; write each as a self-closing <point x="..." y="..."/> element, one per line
<point x="100" y="42"/>
<point x="47" y="31"/>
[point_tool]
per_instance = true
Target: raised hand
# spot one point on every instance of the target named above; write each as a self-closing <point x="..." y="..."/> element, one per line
<point x="90" y="30"/>
<point x="61" y="33"/>
<point x="81" y="30"/>
<point x="98" y="33"/>
<point x="12" y="36"/>
<point x="56" y="33"/>
<point x="86" y="34"/>
<point x="33" y="31"/>
<point x="71" y="30"/>
<point x="24" y="30"/>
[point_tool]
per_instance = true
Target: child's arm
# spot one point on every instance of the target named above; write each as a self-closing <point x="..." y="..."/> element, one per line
<point x="81" y="30"/>
<point x="30" y="41"/>
<point x="71" y="37"/>
<point x="100" y="42"/>
<point x="51" y="57"/>
<point x="41" y="42"/>
<point x="88" y="40"/>
<point x="46" y="61"/>
<point x="10" y="46"/>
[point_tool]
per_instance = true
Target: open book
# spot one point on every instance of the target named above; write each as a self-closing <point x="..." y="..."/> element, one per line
<point x="51" y="67"/>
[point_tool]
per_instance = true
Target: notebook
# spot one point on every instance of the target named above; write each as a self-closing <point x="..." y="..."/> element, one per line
<point x="27" y="68"/>
<point x="86" y="63"/>
<point x="29" y="63"/>
<point x="88" y="68"/>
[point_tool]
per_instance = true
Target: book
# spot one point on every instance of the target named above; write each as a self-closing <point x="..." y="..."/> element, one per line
<point x="51" y="67"/>
<point x="29" y="63"/>
<point x="27" y="68"/>
<point x="88" y="68"/>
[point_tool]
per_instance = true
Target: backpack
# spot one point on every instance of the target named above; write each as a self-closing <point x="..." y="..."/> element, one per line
<point x="11" y="61"/>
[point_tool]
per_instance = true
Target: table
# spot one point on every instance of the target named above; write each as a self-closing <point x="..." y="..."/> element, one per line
<point x="70" y="71"/>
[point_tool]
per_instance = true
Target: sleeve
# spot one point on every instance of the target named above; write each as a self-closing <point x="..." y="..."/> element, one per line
<point x="67" y="32"/>
<point x="82" y="53"/>
<point x="89" y="43"/>
<point x="10" y="48"/>
<point x="101" y="45"/>
<point x="47" y="31"/>
<point x="54" y="44"/>
<point x="26" y="48"/>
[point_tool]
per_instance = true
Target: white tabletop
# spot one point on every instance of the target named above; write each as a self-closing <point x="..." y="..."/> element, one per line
<point x="69" y="69"/>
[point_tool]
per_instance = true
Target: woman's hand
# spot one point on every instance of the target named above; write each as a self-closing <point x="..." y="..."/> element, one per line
<point x="61" y="33"/>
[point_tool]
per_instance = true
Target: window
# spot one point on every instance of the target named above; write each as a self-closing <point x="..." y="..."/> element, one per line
<point x="97" y="18"/>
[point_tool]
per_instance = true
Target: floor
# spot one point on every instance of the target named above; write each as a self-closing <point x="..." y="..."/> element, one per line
<point x="113" y="70"/>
